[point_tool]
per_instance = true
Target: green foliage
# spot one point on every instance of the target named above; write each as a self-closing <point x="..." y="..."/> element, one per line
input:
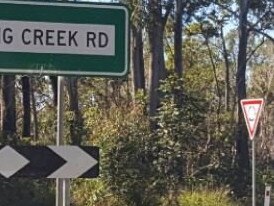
<point x="130" y="168"/>
<point x="47" y="126"/>
<point x="106" y="128"/>
<point x="206" y="197"/>
<point x="201" y="138"/>
<point x="204" y="28"/>
<point x="93" y="193"/>
<point x="18" y="192"/>
<point x="143" y="166"/>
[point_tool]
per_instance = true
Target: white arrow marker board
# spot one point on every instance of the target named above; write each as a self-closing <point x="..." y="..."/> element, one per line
<point x="252" y="109"/>
<point x="49" y="162"/>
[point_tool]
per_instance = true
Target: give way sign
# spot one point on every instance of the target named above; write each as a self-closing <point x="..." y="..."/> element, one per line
<point x="252" y="109"/>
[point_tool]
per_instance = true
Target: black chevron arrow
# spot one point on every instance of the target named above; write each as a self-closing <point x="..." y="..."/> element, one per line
<point x="43" y="161"/>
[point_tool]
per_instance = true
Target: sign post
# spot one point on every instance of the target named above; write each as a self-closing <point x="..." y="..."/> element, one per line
<point x="252" y="109"/>
<point x="267" y="195"/>
<point x="62" y="188"/>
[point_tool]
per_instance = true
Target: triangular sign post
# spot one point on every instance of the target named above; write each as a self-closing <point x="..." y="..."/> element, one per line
<point x="252" y="109"/>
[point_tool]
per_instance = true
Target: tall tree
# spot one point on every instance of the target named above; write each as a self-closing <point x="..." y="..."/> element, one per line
<point x="76" y="122"/>
<point x="242" y="157"/>
<point x="26" y="106"/>
<point x="156" y="25"/>
<point x="178" y="57"/>
<point x="54" y="83"/>
<point x="227" y="69"/>
<point x="34" y="109"/>
<point x="138" y="69"/>
<point x="8" y="108"/>
<point x="178" y="54"/>
<point x="138" y="59"/>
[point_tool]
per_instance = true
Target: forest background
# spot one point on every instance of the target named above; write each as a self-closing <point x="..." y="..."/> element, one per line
<point x="171" y="129"/>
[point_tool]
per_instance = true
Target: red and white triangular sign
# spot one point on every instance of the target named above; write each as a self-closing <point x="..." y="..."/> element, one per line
<point x="252" y="109"/>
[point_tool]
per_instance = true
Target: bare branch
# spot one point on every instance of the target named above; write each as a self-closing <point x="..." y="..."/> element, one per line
<point x="206" y="167"/>
<point x="255" y="49"/>
<point x="259" y="31"/>
<point x="252" y="27"/>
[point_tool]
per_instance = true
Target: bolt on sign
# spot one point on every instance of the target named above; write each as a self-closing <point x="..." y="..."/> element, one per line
<point x="64" y="38"/>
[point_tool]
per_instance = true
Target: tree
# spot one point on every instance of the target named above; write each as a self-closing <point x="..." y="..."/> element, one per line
<point x="54" y="81"/>
<point x="75" y="121"/>
<point x="178" y="40"/>
<point x="8" y="108"/>
<point x="242" y="155"/>
<point x="178" y="29"/>
<point x="156" y="25"/>
<point x="34" y="109"/>
<point x="26" y="106"/>
<point x="138" y="69"/>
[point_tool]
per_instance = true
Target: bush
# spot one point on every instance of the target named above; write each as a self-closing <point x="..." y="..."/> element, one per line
<point x="206" y="197"/>
<point x="87" y="192"/>
<point x="18" y="192"/>
<point x="131" y="173"/>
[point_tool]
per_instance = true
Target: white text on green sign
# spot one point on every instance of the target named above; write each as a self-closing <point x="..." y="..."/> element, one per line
<point x="43" y="37"/>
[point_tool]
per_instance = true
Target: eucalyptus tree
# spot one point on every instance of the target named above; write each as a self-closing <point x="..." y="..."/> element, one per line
<point x="157" y="18"/>
<point x="8" y="108"/>
<point x="242" y="154"/>
<point x="75" y="120"/>
<point x="181" y="12"/>
<point x="26" y="106"/>
<point x="184" y="11"/>
<point x="137" y="29"/>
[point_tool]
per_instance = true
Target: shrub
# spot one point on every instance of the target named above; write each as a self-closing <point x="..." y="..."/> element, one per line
<point x="19" y="191"/>
<point x="205" y="197"/>
<point x="93" y="193"/>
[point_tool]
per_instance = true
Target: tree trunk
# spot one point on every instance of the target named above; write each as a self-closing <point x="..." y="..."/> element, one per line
<point x="178" y="58"/>
<point x="34" y="111"/>
<point x="157" y="65"/>
<point x="8" y="108"/>
<point x="138" y="72"/>
<point x="54" y="84"/>
<point x="242" y="157"/>
<point x="76" y="123"/>
<point x="26" y="106"/>
<point x="227" y="72"/>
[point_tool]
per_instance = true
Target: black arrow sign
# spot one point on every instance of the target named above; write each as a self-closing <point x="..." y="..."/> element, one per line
<point x="49" y="162"/>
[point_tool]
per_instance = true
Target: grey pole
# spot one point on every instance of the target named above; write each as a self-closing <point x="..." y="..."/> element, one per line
<point x="253" y="173"/>
<point x="62" y="185"/>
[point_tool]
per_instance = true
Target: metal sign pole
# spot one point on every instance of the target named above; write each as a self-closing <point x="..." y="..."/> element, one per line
<point x="252" y="109"/>
<point x="62" y="185"/>
<point x="253" y="173"/>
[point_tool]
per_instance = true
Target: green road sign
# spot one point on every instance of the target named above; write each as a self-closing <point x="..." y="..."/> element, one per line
<point x="63" y="38"/>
